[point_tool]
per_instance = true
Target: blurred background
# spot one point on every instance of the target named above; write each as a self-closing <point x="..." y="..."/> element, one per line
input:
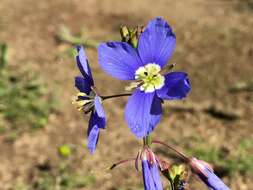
<point x="43" y="136"/>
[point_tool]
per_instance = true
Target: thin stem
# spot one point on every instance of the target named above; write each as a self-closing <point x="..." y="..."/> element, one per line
<point x="171" y="184"/>
<point x="137" y="160"/>
<point x="121" y="162"/>
<point x="115" y="96"/>
<point x="182" y="155"/>
<point x="147" y="141"/>
<point x="144" y="142"/>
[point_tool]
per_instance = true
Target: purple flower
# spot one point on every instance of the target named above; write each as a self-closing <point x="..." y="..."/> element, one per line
<point x="88" y="101"/>
<point x="143" y="66"/>
<point x="206" y="174"/>
<point x="151" y="177"/>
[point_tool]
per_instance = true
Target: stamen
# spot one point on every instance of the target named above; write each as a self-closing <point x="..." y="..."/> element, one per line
<point x="84" y="95"/>
<point x="81" y="94"/>
<point x="167" y="69"/>
<point x="132" y="86"/>
<point x="88" y="107"/>
<point x="86" y="104"/>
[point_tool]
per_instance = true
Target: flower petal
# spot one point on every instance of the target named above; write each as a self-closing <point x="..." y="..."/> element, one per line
<point x="142" y="113"/>
<point x="156" y="176"/>
<point x="93" y="135"/>
<point x="156" y="112"/>
<point x="98" y="107"/>
<point x="157" y="42"/>
<point x="119" y="60"/>
<point x="176" y="86"/>
<point x="212" y="181"/>
<point x="83" y="64"/>
<point x="147" y="176"/>
<point x="95" y="124"/>
<point x="151" y="177"/>
<point x="82" y="84"/>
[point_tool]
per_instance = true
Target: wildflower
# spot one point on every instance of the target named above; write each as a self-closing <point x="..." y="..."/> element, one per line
<point x="151" y="177"/>
<point x="88" y="101"/>
<point x="206" y="174"/>
<point x="143" y="65"/>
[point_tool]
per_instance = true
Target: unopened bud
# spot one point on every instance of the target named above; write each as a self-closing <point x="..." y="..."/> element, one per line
<point x="124" y="32"/>
<point x="207" y="175"/>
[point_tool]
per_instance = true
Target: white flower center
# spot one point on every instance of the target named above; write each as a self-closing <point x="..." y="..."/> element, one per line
<point x="150" y="77"/>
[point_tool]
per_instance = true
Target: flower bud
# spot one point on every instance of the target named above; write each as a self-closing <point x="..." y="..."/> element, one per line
<point x="124" y="32"/>
<point x="151" y="177"/>
<point x="206" y="174"/>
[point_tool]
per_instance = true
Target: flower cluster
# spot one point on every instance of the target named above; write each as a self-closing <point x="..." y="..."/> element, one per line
<point x="141" y="58"/>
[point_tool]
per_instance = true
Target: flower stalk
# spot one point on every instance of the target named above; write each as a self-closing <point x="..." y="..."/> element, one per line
<point x="182" y="155"/>
<point x="115" y="96"/>
<point x="147" y="141"/>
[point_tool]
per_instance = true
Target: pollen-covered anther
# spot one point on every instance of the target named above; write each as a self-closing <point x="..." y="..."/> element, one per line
<point x="149" y="77"/>
<point x="83" y="101"/>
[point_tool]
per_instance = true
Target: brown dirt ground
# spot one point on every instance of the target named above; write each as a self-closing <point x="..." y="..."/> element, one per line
<point x="214" y="45"/>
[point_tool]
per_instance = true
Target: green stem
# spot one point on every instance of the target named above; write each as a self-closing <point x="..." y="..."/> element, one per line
<point x="171" y="185"/>
<point x="147" y="141"/>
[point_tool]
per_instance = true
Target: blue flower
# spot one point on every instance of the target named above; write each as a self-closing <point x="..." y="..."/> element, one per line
<point x="143" y="66"/>
<point x="206" y="174"/>
<point x="150" y="173"/>
<point x="88" y="101"/>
